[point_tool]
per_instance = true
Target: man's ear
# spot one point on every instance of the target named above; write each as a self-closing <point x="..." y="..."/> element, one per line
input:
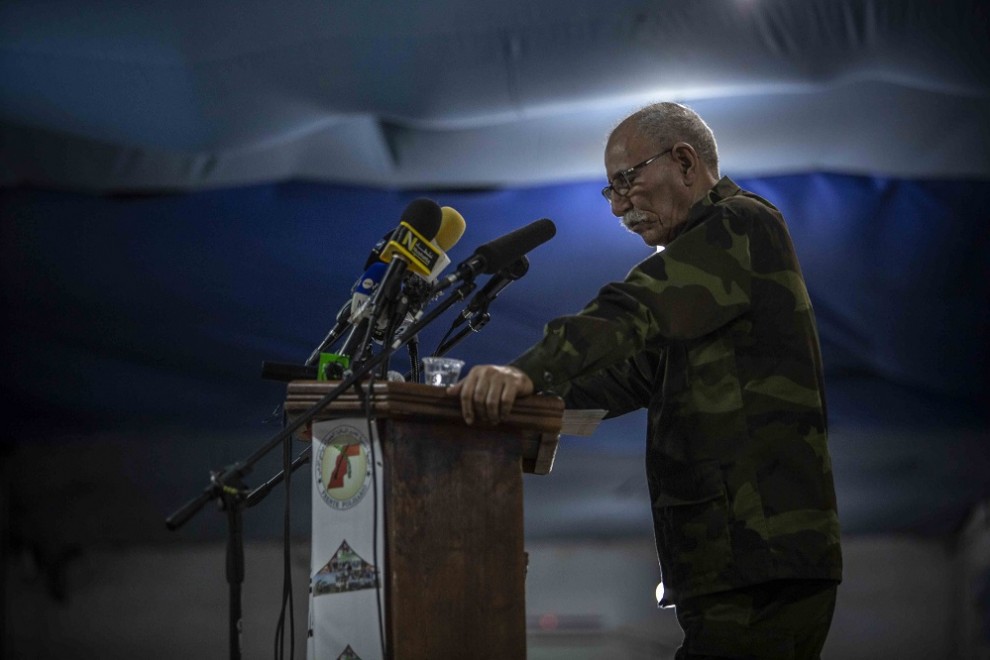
<point x="687" y="162"/>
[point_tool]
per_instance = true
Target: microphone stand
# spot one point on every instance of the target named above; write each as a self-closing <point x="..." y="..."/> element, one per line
<point x="474" y="325"/>
<point x="335" y="333"/>
<point x="328" y="341"/>
<point x="227" y="485"/>
<point x="413" y="350"/>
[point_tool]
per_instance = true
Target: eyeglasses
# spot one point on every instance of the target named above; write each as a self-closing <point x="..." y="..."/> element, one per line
<point x="623" y="181"/>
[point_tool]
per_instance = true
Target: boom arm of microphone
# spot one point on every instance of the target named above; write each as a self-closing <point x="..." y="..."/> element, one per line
<point x="494" y="286"/>
<point x="477" y="322"/>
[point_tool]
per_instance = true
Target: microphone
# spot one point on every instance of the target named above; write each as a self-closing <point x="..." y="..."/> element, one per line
<point x="494" y="286"/>
<point x="363" y="289"/>
<point x="411" y="244"/>
<point x="452" y="227"/>
<point x="376" y="252"/>
<point x="499" y="253"/>
<point x="353" y="310"/>
<point x="409" y="247"/>
<point x="420" y="291"/>
<point x="357" y="308"/>
<point x="417" y="288"/>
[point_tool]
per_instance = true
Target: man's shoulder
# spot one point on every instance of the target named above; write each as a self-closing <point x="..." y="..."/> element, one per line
<point x="742" y="201"/>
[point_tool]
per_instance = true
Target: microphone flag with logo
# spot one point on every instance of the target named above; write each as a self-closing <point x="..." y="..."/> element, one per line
<point x="410" y="247"/>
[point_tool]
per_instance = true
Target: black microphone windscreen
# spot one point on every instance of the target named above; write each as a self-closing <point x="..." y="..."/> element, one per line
<point x="424" y="215"/>
<point x="504" y="250"/>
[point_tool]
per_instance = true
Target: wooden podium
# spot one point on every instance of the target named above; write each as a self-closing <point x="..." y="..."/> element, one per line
<point x="453" y="515"/>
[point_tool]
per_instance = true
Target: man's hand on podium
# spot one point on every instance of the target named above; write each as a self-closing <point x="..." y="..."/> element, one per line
<point x="488" y="392"/>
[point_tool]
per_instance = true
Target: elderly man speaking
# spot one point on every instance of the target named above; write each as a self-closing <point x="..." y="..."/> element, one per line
<point x="715" y="335"/>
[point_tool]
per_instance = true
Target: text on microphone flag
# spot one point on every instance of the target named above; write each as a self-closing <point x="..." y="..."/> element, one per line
<point x="416" y="249"/>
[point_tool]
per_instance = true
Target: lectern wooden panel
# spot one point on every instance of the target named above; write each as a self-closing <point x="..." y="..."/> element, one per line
<point x="453" y="516"/>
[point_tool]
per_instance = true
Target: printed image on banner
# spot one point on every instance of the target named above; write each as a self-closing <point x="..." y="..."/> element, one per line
<point x="346" y="571"/>
<point x="348" y="654"/>
<point x="343" y="467"/>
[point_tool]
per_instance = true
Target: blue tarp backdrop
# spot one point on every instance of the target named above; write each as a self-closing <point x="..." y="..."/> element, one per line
<point x="134" y="312"/>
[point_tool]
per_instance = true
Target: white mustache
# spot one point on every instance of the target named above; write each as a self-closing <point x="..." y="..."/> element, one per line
<point x="633" y="217"/>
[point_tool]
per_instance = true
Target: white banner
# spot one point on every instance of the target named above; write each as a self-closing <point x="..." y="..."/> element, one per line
<point x="347" y="570"/>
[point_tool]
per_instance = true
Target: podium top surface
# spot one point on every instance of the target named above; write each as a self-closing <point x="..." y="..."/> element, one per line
<point x="397" y="399"/>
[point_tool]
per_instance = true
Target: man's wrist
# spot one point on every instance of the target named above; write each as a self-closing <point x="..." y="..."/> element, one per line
<point x="540" y="381"/>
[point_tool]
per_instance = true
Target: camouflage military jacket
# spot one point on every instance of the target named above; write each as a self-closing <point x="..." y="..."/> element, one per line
<point x="716" y="337"/>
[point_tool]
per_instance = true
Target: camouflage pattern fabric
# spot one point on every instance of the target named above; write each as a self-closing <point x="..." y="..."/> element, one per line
<point x="782" y="620"/>
<point x="716" y="336"/>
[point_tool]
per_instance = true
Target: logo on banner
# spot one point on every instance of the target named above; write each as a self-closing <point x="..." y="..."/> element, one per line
<point x="343" y="467"/>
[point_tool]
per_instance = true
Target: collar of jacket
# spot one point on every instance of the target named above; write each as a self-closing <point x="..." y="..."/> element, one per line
<point x="725" y="187"/>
